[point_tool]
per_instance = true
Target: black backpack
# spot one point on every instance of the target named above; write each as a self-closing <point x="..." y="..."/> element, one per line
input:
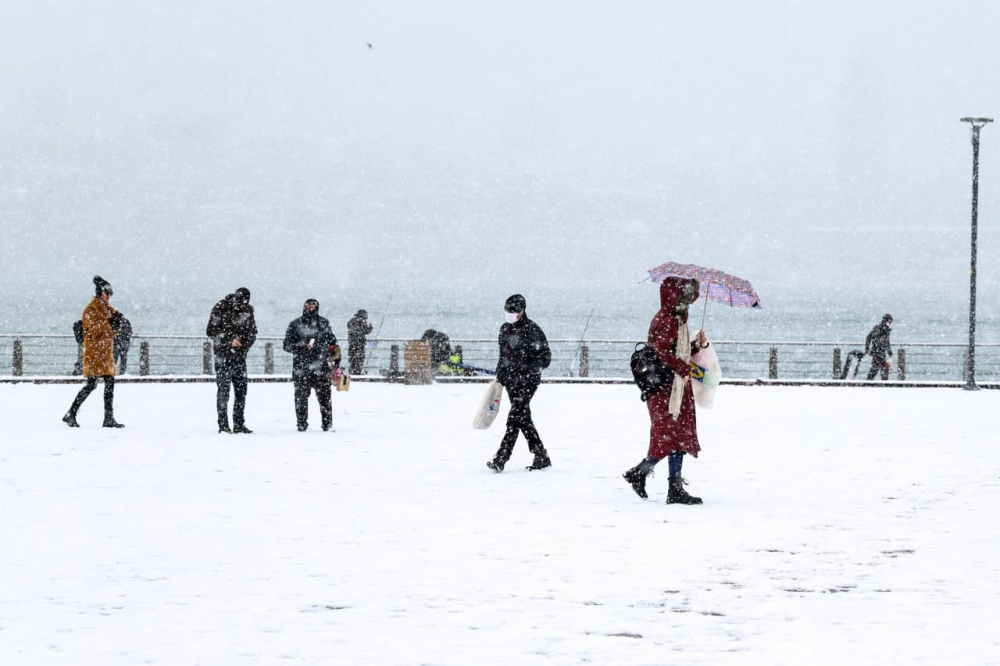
<point x="78" y="331"/>
<point x="648" y="371"/>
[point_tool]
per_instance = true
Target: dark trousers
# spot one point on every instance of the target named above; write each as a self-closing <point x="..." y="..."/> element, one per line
<point x="879" y="365"/>
<point x="121" y="359"/>
<point x="519" y="421"/>
<point x="356" y="358"/>
<point x="304" y="385"/>
<point x="231" y="371"/>
<point x="88" y="388"/>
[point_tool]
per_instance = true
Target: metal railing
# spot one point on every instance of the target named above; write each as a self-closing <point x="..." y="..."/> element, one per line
<point x="56" y="355"/>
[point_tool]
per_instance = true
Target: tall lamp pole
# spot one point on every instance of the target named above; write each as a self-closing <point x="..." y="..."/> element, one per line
<point x="977" y="124"/>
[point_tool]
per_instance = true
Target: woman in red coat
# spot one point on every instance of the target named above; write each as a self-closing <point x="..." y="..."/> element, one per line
<point x="673" y="426"/>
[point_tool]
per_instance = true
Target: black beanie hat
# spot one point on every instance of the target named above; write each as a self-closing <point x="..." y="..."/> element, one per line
<point x="515" y="303"/>
<point x="243" y="295"/>
<point x="102" y="286"/>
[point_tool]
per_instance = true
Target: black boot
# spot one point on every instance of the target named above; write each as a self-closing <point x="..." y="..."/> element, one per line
<point x="70" y="420"/>
<point x="637" y="479"/>
<point x="109" y="422"/>
<point x="496" y="465"/>
<point x="540" y="462"/>
<point x="677" y="495"/>
<point x="242" y="429"/>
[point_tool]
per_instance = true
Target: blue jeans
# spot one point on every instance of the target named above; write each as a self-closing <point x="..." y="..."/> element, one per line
<point x="674" y="463"/>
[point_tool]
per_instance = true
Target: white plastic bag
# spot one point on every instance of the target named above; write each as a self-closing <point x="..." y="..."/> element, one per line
<point x="489" y="406"/>
<point x="704" y="391"/>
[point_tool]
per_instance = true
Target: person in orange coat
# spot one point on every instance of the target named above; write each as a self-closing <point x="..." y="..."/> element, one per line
<point x="673" y="426"/>
<point x="98" y="354"/>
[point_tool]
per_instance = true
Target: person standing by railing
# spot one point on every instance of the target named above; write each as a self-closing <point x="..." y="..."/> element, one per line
<point x="524" y="353"/>
<point x="233" y="330"/>
<point x="98" y="354"/>
<point x="877" y="346"/>
<point x="358" y="330"/>
<point x="673" y="426"/>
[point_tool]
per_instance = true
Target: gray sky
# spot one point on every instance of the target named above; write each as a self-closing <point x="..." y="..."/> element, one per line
<point x="481" y="148"/>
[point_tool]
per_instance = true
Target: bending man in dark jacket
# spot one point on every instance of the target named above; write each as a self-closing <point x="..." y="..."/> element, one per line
<point x="309" y="339"/>
<point x="878" y="346"/>
<point x="524" y="352"/>
<point x="233" y="330"/>
<point x="358" y="330"/>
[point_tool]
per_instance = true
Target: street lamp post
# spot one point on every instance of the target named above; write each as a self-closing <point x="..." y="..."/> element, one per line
<point x="970" y="374"/>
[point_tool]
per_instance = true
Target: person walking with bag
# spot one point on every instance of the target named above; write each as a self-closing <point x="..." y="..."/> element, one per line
<point x="673" y="427"/>
<point x="98" y="354"/>
<point x="309" y="339"/>
<point x="233" y="331"/>
<point x="524" y="353"/>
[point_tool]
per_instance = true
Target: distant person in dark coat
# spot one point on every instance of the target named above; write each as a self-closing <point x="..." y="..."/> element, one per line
<point x="123" y="341"/>
<point x="673" y="428"/>
<point x="311" y="342"/>
<point x="98" y="356"/>
<point x="358" y="329"/>
<point x="233" y="331"/>
<point x="877" y="345"/>
<point x="524" y="353"/>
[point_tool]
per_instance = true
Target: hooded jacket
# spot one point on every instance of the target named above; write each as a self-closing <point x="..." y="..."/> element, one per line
<point x="877" y="343"/>
<point x="306" y="361"/>
<point x="668" y="434"/>
<point x="232" y="318"/>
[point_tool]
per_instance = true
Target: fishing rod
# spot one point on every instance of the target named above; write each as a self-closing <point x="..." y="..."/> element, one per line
<point x="378" y="331"/>
<point x="579" y="346"/>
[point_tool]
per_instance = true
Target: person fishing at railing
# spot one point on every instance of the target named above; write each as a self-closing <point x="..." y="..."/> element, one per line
<point x="98" y="354"/>
<point x="233" y="330"/>
<point x="673" y="426"/>
<point x="877" y="345"/>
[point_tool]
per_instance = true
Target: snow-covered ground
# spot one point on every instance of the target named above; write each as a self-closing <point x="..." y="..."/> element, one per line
<point x="839" y="526"/>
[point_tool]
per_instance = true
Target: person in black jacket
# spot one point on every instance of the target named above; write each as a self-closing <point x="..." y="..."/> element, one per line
<point x="877" y="345"/>
<point x="233" y="331"/>
<point x="358" y="329"/>
<point x="524" y="352"/>
<point x="123" y="341"/>
<point x="312" y="342"/>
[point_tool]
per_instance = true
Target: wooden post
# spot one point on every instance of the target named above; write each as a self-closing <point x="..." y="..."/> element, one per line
<point x="17" y="367"/>
<point x="144" y="358"/>
<point x="584" y="361"/>
<point x="837" y="371"/>
<point x="965" y="365"/>
<point x="902" y="365"/>
<point x="269" y="358"/>
<point x="772" y="364"/>
<point x="393" y="360"/>
<point x="417" y="362"/>
<point x="206" y="358"/>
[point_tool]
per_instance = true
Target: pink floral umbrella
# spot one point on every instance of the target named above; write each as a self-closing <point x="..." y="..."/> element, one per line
<point x="715" y="285"/>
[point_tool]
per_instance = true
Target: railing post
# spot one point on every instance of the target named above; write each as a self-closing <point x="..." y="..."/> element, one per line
<point x="584" y="360"/>
<point x="269" y="358"/>
<point x="965" y="365"/>
<point x="772" y="364"/>
<point x="902" y="365"/>
<point x="206" y="358"/>
<point x="394" y="360"/>
<point x="837" y="372"/>
<point x="144" y="358"/>
<point x="17" y="365"/>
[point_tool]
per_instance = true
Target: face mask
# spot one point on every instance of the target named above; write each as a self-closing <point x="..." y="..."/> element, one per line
<point x="509" y="317"/>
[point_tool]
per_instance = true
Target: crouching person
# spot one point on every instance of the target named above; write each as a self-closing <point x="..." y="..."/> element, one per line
<point x="309" y="339"/>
